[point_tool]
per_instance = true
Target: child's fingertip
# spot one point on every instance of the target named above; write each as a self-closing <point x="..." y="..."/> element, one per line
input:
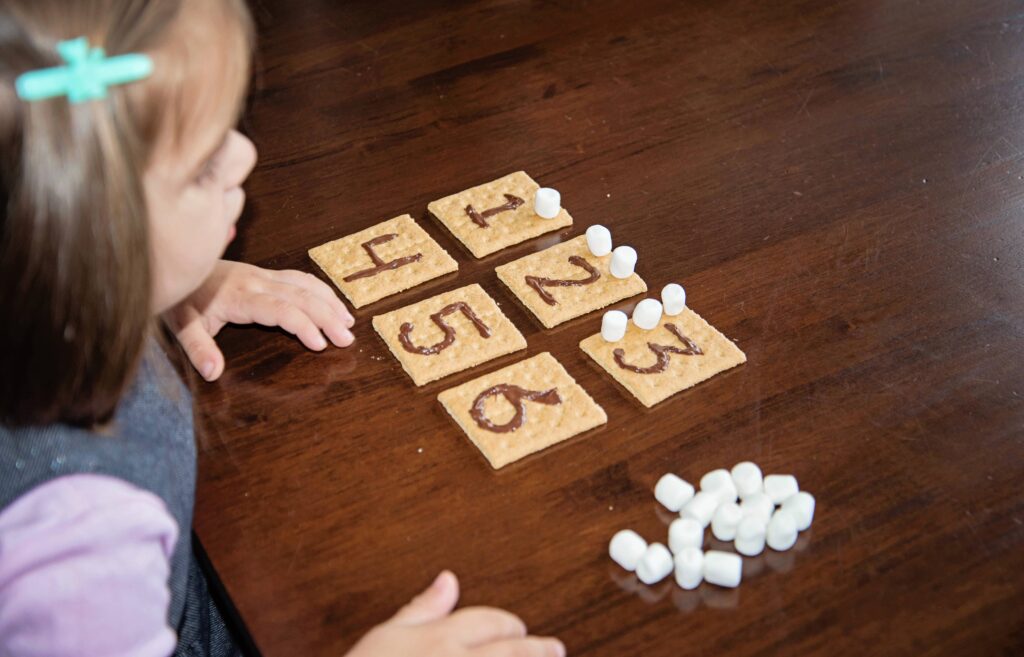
<point x="208" y="369"/>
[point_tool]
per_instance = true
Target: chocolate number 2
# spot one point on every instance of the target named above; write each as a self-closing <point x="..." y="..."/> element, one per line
<point x="517" y="397"/>
<point x="538" y="284"/>
<point x="663" y="353"/>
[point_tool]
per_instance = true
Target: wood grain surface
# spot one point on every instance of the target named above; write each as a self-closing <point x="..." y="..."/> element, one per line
<point x="839" y="187"/>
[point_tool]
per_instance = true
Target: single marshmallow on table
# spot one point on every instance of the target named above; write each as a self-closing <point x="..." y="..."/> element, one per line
<point x="747" y="478"/>
<point x="801" y="506"/>
<point x="759" y="506"/>
<point x="725" y="521"/>
<point x="720" y="483"/>
<point x="782" y="531"/>
<point x="685" y="533"/>
<point x="613" y="325"/>
<point x="689" y="568"/>
<point x="673" y="297"/>
<point x="547" y="203"/>
<point x="626" y="548"/>
<point x="599" y="240"/>
<point x="779" y="488"/>
<point x="647" y="314"/>
<point x="673" y="492"/>
<point x="723" y="568"/>
<point x="750" y="536"/>
<point x="655" y="565"/>
<point x="701" y="508"/>
<point x="623" y="262"/>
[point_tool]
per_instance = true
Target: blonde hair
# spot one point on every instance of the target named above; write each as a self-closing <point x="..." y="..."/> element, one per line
<point x="75" y="279"/>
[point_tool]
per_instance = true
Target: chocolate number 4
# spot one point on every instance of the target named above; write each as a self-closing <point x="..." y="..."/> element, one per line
<point x="517" y="397"/>
<point x="378" y="263"/>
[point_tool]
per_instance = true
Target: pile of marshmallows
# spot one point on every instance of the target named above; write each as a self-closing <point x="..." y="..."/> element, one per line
<point x="751" y="523"/>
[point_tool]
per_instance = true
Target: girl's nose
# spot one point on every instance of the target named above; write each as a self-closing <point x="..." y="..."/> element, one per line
<point x="241" y="159"/>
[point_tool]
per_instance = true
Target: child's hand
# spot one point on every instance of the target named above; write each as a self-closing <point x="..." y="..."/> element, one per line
<point x="238" y="293"/>
<point x="426" y="627"/>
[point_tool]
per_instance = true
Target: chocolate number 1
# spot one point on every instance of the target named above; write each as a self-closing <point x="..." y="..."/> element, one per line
<point x="480" y="218"/>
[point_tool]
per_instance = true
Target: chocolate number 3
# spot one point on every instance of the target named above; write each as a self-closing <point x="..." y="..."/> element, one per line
<point x="449" y="331"/>
<point x="517" y="397"/>
<point x="663" y="353"/>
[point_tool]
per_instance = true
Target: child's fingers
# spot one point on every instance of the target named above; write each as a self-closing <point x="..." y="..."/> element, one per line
<point x="529" y="647"/>
<point x="199" y="346"/>
<point x="271" y="310"/>
<point x="433" y="604"/>
<point x="318" y="287"/>
<point x="476" y="625"/>
<point x="317" y="309"/>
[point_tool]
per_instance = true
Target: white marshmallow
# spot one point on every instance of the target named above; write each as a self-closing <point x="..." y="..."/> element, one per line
<point x="689" y="568"/>
<point x="673" y="492"/>
<point x="727" y="518"/>
<point x="759" y="506"/>
<point x="647" y="314"/>
<point x="782" y="531"/>
<point x="599" y="240"/>
<point x="747" y="478"/>
<point x="701" y="508"/>
<point x="613" y="325"/>
<point x="750" y="536"/>
<point x="780" y="488"/>
<point x="623" y="262"/>
<point x="801" y="506"/>
<point x="723" y="568"/>
<point x="673" y="297"/>
<point x="685" y="533"/>
<point x="547" y="203"/>
<point x="720" y="483"/>
<point x="655" y="565"/>
<point x="626" y="548"/>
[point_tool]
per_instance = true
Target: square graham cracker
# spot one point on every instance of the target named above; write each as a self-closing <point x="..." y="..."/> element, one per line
<point x="682" y="371"/>
<point x="569" y="301"/>
<point x="542" y="422"/>
<point x="505" y="227"/>
<point x="456" y="310"/>
<point x="349" y="256"/>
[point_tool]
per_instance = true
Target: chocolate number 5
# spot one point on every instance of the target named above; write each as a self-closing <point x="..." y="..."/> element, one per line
<point x="449" y="331"/>
<point x="517" y="397"/>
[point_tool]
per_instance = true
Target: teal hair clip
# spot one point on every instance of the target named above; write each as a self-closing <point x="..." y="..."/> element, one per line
<point x="87" y="75"/>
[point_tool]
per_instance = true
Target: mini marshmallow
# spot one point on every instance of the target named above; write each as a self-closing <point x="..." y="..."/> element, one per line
<point x="613" y="325"/>
<point x="655" y="565"/>
<point x="547" y="203"/>
<point x="782" y="531"/>
<point x="801" y="506"/>
<point x="701" y="508"/>
<point x="750" y="536"/>
<point x="779" y="488"/>
<point x="599" y="240"/>
<point x="759" y="506"/>
<point x="623" y="262"/>
<point x="689" y="568"/>
<point x="723" y="568"/>
<point x="626" y="548"/>
<point x="725" y="521"/>
<point x="673" y="297"/>
<point x="685" y="533"/>
<point x="747" y="478"/>
<point x="673" y="492"/>
<point x="647" y="314"/>
<point x="720" y="483"/>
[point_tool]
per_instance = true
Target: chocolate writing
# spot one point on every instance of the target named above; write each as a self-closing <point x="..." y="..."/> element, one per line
<point x="378" y="263"/>
<point x="662" y="352"/>
<point x="538" y="284"/>
<point x="480" y="218"/>
<point x="449" y="331"/>
<point x="517" y="397"/>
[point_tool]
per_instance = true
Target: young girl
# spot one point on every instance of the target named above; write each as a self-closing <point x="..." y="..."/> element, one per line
<point x="120" y="185"/>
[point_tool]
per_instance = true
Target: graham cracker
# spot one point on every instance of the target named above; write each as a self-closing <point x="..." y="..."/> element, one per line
<point x="570" y="302"/>
<point x="469" y="348"/>
<point x="682" y="372"/>
<point x="347" y="256"/>
<point x="505" y="228"/>
<point x="543" y="424"/>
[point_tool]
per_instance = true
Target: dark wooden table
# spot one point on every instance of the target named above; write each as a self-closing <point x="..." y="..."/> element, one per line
<point x="838" y="185"/>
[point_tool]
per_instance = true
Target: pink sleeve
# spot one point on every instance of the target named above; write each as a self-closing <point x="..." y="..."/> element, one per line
<point x="84" y="564"/>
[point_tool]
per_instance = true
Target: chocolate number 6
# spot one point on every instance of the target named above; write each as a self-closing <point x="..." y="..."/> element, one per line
<point x="517" y="397"/>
